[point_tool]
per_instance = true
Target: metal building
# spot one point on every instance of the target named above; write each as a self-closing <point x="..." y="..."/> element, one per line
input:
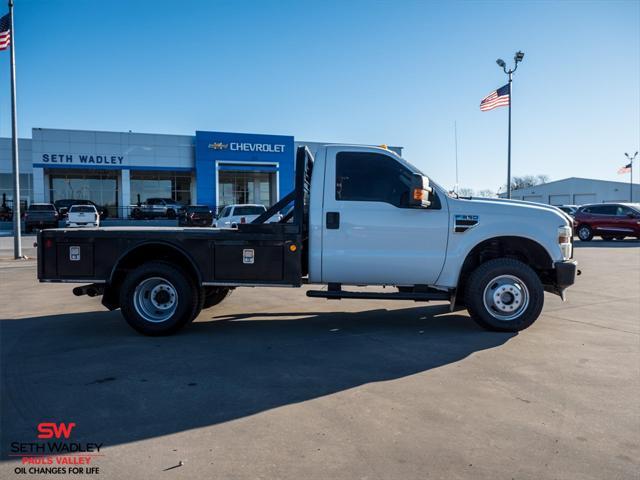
<point x="577" y="191"/>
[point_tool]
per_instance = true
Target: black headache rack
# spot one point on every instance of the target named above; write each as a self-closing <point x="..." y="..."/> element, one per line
<point x="296" y="220"/>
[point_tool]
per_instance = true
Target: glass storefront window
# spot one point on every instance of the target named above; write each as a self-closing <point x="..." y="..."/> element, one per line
<point x="176" y="186"/>
<point x="6" y="188"/>
<point x="101" y="187"/>
<point x="246" y="187"/>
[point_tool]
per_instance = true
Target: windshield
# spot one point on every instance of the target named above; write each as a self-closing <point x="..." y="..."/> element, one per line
<point x="199" y="209"/>
<point x="82" y="208"/>
<point x="249" y="210"/>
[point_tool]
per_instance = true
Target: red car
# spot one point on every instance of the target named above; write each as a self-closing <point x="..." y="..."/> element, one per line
<point x="607" y="220"/>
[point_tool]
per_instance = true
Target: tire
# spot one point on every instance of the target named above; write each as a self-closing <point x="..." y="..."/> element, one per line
<point x="158" y="316"/>
<point x="585" y="233"/>
<point x="215" y="295"/>
<point x="520" y="302"/>
<point x="171" y="214"/>
<point x="620" y="237"/>
<point x="202" y="295"/>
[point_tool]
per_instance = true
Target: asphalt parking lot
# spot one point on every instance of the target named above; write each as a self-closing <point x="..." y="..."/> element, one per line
<point x="272" y="384"/>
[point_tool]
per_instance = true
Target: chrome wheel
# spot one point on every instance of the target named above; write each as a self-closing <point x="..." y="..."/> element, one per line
<point x="506" y="297"/>
<point x="155" y="299"/>
<point x="584" y="233"/>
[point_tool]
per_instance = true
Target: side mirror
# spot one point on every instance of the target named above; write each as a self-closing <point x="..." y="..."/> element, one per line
<point x="420" y="192"/>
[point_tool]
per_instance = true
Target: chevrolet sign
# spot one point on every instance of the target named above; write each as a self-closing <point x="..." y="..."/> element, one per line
<point x="248" y="147"/>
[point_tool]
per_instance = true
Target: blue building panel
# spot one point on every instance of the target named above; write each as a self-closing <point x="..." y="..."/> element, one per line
<point x="219" y="151"/>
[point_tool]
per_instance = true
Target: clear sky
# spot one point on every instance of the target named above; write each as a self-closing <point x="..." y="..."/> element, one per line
<point x="397" y="72"/>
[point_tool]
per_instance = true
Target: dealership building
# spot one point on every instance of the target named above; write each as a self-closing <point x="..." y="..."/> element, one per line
<point x="118" y="169"/>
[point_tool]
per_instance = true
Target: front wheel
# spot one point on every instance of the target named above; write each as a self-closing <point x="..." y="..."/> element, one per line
<point x="585" y="233"/>
<point x="158" y="299"/>
<point x="504" y="295"/>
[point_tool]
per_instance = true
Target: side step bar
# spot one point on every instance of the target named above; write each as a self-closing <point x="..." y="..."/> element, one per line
<point x="418" y="297"/>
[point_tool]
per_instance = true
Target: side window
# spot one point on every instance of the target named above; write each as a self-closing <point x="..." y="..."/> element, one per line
<point x="603" y="210"/>
<point x="622" y="211"/>
<point x="371" y="177"/>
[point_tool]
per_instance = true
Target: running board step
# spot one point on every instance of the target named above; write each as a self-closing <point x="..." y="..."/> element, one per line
<point x="340" y="294"/>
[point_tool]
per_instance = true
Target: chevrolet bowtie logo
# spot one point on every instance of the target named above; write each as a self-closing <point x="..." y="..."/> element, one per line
<point x="218" y="146"/>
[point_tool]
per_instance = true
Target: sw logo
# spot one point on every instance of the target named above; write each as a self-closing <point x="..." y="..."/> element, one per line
<point x="218" y="146"/>
<point x="50" y="429"/>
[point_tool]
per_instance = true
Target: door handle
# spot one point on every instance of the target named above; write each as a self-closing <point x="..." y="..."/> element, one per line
<point x="333" y="220"/>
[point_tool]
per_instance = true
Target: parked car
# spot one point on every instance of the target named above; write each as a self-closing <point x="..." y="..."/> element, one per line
<point x="233" y="215"/>
<point x="83" y="216"/>
<point x="41" y="215"/>
<point x="608" y="220"/>
<point x="156" y="208"/>
<point x="63" y="207"/>
<point x="569" y="209"/>
<point x="196" y="216"/>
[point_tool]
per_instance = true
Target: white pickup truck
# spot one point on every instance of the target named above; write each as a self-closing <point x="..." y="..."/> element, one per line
<point x="360" y="216"/>
<point x="233" y="215"/>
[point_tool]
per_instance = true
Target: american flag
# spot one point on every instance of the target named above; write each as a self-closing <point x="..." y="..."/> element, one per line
<point x="625" y="169"/>
<point x="497" y="98"/>
<point x="5" y="32"/>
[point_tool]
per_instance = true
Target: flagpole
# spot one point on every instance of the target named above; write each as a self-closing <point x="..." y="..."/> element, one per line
<point x="517" y="58"/>
<point x="17" y="240"/>
<point x="630" y="165"/>
<point x="509" y="143"/>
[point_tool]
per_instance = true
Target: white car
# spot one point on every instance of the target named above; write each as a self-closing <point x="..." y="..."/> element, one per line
<point x="233" y="215"/>
<point x="83" y="216"/>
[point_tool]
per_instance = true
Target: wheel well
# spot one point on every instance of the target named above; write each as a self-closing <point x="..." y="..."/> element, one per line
<point x="141" y="254"/>
<point x="519" y="248"/>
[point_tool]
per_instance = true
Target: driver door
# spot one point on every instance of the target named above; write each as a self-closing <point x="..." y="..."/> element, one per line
<point x="369" y="234"/>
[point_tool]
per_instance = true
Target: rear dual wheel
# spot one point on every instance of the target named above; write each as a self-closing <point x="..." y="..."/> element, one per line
<point x="158" y="298"/>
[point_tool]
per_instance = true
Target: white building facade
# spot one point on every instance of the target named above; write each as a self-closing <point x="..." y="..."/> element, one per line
<point x="578" y="191"/>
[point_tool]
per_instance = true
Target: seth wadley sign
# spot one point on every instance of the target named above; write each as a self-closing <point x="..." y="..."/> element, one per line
<point x="79" y="159"/>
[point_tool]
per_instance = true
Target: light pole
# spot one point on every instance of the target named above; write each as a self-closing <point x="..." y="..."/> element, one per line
<point x="631" y="159"/>
<point x="517" y="58"/>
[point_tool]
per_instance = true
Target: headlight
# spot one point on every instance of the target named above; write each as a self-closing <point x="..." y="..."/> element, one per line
<point x="565" y="233"/>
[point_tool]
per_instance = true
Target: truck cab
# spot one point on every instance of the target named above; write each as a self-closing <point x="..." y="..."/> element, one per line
<point x="357" y="216"/>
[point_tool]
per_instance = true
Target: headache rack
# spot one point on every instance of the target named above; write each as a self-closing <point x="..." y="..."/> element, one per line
<point x="294" y="226"/>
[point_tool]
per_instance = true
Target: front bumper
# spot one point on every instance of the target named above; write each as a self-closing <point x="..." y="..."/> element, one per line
<point x="566" y="273"/>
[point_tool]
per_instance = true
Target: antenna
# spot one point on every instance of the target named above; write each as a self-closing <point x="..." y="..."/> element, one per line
<point x="455" y="135"/>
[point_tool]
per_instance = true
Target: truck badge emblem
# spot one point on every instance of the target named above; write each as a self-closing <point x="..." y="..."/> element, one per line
<point x="248" y="256"/>
<point x="74" y="254"/>
<point x="464" y="222"/>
